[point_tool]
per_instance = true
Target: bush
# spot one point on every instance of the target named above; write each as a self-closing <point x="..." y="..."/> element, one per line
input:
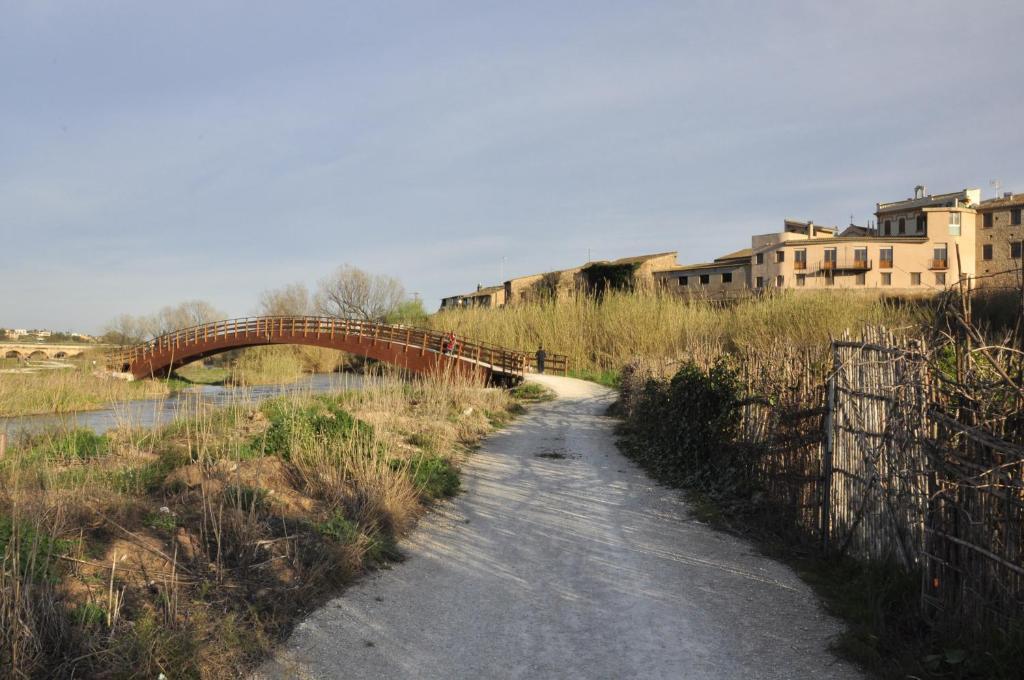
<point x="685" y="427"/>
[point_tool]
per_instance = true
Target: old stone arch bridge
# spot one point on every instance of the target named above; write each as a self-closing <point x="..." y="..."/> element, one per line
<point x="415" y="349"/>
<point x="31" y="350"/>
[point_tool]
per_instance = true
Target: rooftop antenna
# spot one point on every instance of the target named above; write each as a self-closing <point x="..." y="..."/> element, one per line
<point x="996" y="185"/>
<point x="588" y="255"/>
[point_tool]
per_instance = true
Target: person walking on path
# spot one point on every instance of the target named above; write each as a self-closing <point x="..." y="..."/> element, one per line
<point x="541" y="356"/>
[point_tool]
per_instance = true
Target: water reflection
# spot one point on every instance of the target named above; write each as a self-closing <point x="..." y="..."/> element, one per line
<point x="155" y="412"/>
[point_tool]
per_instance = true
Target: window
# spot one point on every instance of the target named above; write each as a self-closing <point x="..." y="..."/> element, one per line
<point x="780" y="256"/>
<point x="886" y="279"/>
<point x="759" y="282"/>
<point x="705" y="279"/>
<point x="861" y="278"/>
<point x="915" y="278"/>
<point x="939" y="260"/>
<point x="922" y="221"/>
<point x="954" y="224"/>
<point x="830" y="259"/>
<point x="779" y="280"/>
<point x="801" y="280"/>
<point x="860" y="257"/>
<point x="1015" y="248"/>
<point x="684" y="280"/>
<point x="986" y="251"/>
<point x="1015" y="217"/>
<point x="888" y="227"/>
<point x="903" y="225"/>
<point x="759" y="258"/>
<point x="830" y="279"/>
<point x="940" y="278"/>
<point x="988" y="220"/>
<point x="800" y="259"/>
<point x="885" y="258"/>
<point x="727" y="277"/>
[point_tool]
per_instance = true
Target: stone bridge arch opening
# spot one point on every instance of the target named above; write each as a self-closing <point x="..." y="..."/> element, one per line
<point x="12" y="354"/>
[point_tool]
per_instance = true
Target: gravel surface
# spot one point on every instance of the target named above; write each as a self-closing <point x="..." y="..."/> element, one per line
<point x="563" y="560"/>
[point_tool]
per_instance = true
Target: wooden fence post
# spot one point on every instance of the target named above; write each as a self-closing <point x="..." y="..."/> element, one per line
<point x="826" y="461"/>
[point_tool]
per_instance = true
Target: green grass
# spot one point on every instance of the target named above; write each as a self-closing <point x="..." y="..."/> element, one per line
<point x="338" y="528"/>
<point x="607" y="377"/>
<point x="434" y="476"/>
<point x="530" y="391"/>
<point x="321" y="419"/>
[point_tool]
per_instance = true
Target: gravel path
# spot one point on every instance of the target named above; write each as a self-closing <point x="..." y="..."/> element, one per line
<point x="563" y="560"/>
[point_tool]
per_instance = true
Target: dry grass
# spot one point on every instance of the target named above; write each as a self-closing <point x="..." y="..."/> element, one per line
<point x="283" y="364"/>
<point x="188" y="551"/>
<point x="600" y="336"/>
<point x="65" y="390"/>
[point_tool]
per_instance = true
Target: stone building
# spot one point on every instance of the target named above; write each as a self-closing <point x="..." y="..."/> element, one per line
<point x="1000" y="235"/>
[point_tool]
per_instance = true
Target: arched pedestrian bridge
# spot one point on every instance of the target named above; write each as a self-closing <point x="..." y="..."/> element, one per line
<point x="415" y="349"/>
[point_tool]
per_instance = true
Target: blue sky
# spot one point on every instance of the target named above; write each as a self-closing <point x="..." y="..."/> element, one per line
<point x="156" y="152"/>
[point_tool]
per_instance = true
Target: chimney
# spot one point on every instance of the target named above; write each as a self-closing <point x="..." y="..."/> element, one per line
<point x="919" y="191"/>
<point x="810" y="228"/>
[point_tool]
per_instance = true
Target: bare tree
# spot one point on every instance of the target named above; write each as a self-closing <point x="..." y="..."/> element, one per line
<point x="291" y="300"/>
<point x="127" y="329"/>
<point x="352" y="293"/>
<point x="184" y="315"/>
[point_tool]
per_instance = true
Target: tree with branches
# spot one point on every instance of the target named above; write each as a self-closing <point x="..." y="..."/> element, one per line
<point x="351" y="293"/>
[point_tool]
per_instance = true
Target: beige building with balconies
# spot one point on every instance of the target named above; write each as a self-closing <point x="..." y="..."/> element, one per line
<point x="922" y="244"/>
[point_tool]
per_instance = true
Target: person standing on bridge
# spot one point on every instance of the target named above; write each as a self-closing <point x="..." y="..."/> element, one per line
<point x="541" y="356"/>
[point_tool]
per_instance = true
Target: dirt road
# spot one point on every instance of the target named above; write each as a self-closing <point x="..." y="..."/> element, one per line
<point x="563" y="560"/>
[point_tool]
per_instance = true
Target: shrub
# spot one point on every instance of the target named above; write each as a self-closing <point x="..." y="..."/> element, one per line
<point x="686" y="426"/>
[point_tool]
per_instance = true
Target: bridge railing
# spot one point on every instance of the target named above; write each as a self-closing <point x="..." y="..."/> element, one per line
<point x="268" y="329"/>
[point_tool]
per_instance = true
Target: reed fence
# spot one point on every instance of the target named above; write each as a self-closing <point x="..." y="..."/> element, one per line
<point x="881" y="456"/>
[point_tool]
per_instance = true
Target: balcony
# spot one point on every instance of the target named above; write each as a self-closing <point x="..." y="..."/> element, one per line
<point x="845" y="265"/>
<point x="939" y="264"/>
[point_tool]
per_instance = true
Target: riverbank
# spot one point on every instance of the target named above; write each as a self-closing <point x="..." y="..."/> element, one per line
<point x="78" y="385"/>
<point x="191" y="549"/>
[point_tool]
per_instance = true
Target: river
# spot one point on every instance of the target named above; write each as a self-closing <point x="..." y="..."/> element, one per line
<point x="155" y="412"/>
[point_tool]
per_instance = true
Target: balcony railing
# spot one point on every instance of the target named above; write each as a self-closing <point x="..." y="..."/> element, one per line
<point x="940" y="263"/>
<point x="799" y="264"/>
<point x="854" y="265"/>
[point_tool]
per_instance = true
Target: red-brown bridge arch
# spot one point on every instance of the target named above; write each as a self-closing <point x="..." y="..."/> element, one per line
<point x="416" y="349"/>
